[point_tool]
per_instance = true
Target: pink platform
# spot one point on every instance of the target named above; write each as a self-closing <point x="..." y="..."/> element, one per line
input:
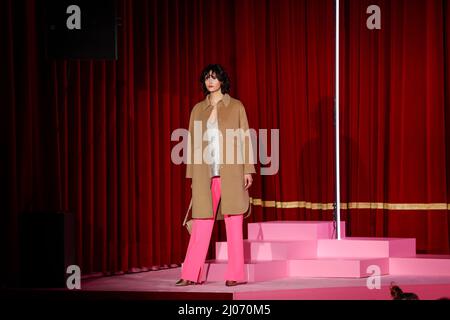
<point x="283" y="249"/>
<point x="431" y="265"/>
<point x="292" y="230"/>
<point x="297" y="260"/>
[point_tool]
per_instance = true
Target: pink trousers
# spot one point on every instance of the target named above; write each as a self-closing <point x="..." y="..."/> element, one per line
<point x="201" y="236"/>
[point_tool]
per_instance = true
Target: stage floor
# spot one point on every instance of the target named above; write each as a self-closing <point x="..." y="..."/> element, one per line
<point x="161" y="285"/>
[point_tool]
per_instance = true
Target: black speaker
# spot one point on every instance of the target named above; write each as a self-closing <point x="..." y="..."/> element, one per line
<point x="81" y="29"/>
<point x="46" y="249"/>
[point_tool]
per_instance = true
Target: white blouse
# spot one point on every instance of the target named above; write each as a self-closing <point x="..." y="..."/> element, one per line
<point x="212" y="126"/>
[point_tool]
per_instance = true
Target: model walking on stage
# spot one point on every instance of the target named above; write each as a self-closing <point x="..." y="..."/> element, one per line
<point x="220" y="182"/>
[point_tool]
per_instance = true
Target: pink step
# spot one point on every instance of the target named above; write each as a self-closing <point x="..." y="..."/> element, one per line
<point x="255" y="250"/>
<point x="421" y="265"/>
<point x="279" y="249"/>
<point x="292" y="230"/>
<point x="367" y="247"/>
<point x="337" y="268"/>
<point x="262" y="271"/>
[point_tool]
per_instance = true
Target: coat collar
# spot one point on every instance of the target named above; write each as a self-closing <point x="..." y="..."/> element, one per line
<point x="226" y="101"/>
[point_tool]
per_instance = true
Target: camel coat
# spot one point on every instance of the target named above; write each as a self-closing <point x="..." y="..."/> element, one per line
<point x="234" y="198"/>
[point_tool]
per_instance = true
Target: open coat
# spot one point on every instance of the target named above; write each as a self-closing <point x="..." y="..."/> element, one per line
<point x="234" y="198"/>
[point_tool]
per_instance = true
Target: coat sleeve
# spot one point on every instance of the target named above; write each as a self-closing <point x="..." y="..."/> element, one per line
<point x="249" y="157"/>
<point x="190" y="150"/>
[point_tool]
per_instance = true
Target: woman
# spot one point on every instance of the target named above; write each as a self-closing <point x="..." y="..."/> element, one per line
<point x="221" y="171"/>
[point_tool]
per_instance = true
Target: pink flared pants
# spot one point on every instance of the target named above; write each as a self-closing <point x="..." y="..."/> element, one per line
<point x="201" y="236"/>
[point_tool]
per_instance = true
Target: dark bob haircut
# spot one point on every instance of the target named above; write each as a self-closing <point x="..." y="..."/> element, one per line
<point x="221" y="75"/>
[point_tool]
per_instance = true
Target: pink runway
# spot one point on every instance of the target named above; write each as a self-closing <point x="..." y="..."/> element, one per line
<point x="298" y="260"/>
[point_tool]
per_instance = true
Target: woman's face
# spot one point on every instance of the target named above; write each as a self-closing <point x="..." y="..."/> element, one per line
<point x="211" y="82"/>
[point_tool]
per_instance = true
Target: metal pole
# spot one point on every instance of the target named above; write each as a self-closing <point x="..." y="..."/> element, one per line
<point x="338" y="192"/>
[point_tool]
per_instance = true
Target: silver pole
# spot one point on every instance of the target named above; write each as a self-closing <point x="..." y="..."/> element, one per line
<point x="338" y="192"/>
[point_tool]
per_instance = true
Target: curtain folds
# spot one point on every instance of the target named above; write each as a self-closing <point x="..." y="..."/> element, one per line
<point x="94" y="137"/>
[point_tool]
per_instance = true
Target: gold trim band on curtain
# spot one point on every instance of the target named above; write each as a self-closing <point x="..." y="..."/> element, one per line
<point x="351" y="205"/>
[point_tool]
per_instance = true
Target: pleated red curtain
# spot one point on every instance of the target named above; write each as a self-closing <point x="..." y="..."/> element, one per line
<point x="395" y="128"/>
<point x="94" y="137"/>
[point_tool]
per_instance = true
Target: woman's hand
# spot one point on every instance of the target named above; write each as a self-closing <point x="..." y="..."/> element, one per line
<point x="248" y="180"/>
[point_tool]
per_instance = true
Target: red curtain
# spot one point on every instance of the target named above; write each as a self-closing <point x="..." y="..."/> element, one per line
<point x="395" y="128"/>
<point x="94" y="137"/>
